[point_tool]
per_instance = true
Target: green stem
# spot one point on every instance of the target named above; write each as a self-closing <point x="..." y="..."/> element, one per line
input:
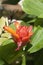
<point x="23" y="59"/>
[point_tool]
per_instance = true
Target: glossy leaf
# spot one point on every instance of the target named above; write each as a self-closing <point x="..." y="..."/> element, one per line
<point x="32" y="7"/>
<point x="37" y="40"/>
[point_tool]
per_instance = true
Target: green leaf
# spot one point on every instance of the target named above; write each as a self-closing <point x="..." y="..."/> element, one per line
<point x="7" y="51"/>
<point x="31" y="21"/>
<point x="6" y="35"/>
<point x="37" y="40"/>
<point x="2" y="40"/>
<point x="32" y="7"/>
<point x="7" y="41"/>
<point x="0" y="31"/>
<point x="2" y="22"/>
<point x="25" y="24"/>
<point x="1" y="62"/>
<point x="13" y="26"/>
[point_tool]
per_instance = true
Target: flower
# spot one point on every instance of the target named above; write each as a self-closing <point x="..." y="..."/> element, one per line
<point x="22" y="34"/>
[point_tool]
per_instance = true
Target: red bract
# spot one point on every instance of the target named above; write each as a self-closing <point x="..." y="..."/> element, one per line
<point x="22" y="34"/>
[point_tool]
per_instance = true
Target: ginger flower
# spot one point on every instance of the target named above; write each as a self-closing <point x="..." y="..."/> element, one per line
<point x="22" y="34"/>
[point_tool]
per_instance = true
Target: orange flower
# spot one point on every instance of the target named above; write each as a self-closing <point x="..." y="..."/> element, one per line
<point x="22" y="34"/>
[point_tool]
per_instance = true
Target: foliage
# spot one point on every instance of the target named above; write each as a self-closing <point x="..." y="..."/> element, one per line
<point x="32" y="53"/>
